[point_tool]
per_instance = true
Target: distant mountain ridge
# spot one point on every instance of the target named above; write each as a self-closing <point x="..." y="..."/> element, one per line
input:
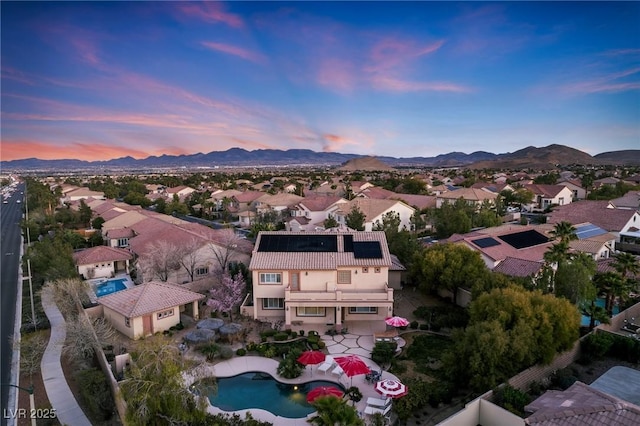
<point x="530" y="157"/>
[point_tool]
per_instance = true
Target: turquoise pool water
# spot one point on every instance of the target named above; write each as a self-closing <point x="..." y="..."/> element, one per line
<point x="110" y="286"/>
<point x="599" y="302"/>
<point x="261" y="390"/>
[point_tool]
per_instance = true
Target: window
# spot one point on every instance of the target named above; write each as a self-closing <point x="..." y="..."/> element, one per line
<point x="363" y="310"/>
<point x="165" y="314"/>
<point x="272" y="303"/>
<point x="202" y="271"/>
<point x="344" y="277"/>
<point x="271" y="278"/>
<point x="310" y="311"/>
<point x="377" y="270"/>
<point x="123" y="242"/>
<point x="127" y="322"/>
<point x="365" y="270"/>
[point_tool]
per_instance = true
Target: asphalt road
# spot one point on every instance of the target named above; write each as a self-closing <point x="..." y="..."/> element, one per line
<point x="10" y="216"/>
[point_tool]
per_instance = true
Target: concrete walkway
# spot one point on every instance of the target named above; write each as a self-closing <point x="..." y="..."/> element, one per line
<point x="58" y="392"/>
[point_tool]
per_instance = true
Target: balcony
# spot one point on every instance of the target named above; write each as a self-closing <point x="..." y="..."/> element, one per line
<point x="362" y="295"/>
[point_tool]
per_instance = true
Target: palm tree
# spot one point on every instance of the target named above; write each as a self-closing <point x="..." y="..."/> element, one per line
<point x="595" y="313"/>
<point x="626" y="264"/>
<point x="613" y="285"/>
<point x="565" y="232"/>
<point x="332" y="411"/>
<point x="557" y="253"/>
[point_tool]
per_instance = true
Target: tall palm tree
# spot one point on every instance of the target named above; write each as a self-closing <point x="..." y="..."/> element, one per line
<point x="565" y="232"/>
<point x="595" y="313"/>
<point x="613" y="285"/>
<point x="557" y="253"/>
<point x="626" y="264"/>
<point x="332" y="411"/>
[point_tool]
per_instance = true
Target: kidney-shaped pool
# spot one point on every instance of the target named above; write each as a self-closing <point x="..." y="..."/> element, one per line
<point x="261" y="390"/>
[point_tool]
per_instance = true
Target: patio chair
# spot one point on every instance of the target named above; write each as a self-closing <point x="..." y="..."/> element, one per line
<point x="378" y="402"/>
<point x="373" y="410"/>
<point x="338" y="371"/>
<point x="327" y="365"/>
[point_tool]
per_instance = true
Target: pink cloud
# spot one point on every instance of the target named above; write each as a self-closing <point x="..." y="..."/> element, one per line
<point x="392" y="53"/>
<point x="396" y="85"/>
<point x="86" y="49"/>
<point x="235" y="51"/>
<point x="16" y="75"/>
<point x="336" y="74"/>
<point x="14" y="149"/>
<point x="210" y="11"/>
<point x="606" y="84"/>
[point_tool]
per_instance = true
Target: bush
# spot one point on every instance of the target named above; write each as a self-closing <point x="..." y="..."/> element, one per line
<point x="321" y="344"/>
<point x="564" y="378"/>
<point x="625" y="348"/>
<point x="597" y="344"/>
<point x="383" y="352"/>
<point x="289" y="368"/>
<point x="512" y="399"/>
<point x="269" y="333"/>
<point x="414" y="324"/>
<point x="209" y="350"/>
<point x="179" y="326"/>
<point x="280" y="337"/>
<point x="313" y="338"/>
<point x="424" y="326"/>
<point x="301" y="332"/>
<point x="241" y="352"/>
<point x="226" y="352"/>
<point x="95" y="394"/>
<point x="270" y="352"/>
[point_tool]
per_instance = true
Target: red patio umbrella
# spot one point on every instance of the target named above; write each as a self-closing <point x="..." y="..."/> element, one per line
<point x="397" y="322"/>
<point x="311" y="358"/>
<point x="352" y="365"/>
<point x="391" y="388"/>
<point x="323" y="391"/>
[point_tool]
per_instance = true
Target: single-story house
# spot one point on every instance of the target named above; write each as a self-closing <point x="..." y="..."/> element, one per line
<point x="149" y="308"/>
<point x="101" y="261"/>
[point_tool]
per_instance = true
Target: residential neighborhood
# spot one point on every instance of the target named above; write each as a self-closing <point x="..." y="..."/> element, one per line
<point x="208" y="269"/>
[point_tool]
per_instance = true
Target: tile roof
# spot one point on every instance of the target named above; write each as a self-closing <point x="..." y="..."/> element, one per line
<point x="148" y="298"/>
<point x="630" y="200"/>
<point x="581" y="405"/>
<point x="120" y="233"/>
<point x="248" y="196"/>
<point x="547" y="191"/>
<point x="417" y="201"/>
<point x="470" y="194"/>
<point x="100" y="254"/>
<point x="281" y="199"/>
<point x="315" y="260"/>
<point x="320" y="202"/>
<point x="396" y="265"/>
<point x="372" y="208"/>
<point x="378" y="193"/>
<point x="518" y="267"/>
<point x="596" y="212"/>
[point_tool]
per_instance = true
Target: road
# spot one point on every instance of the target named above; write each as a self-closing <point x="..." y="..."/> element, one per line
<point x="10" y="216"/>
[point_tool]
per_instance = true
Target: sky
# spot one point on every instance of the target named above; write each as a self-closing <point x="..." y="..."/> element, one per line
<point x="103" y="80"/>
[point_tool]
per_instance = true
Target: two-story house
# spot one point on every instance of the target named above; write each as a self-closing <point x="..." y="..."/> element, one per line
<point x="548" y="195"/>
<point x="318" y="279"/>
<point x="374" y="211"/>
<point x="310" y="213"/>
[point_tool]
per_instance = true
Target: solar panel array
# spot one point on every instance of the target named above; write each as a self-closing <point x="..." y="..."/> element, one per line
<point x="524" y="239"/>
<point x="486" y="242"/>
<point x="299" y="243"/>
<point x="588" y="231"/>
<point x="367" y="250"/>
<point x="348" y="243"/>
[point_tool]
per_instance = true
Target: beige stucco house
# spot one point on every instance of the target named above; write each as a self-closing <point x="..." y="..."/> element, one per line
<point x="374" y="211"/>
<point x="101" y="261"/>
<point x="318" y="279"/>
<point x="149" y="308"/>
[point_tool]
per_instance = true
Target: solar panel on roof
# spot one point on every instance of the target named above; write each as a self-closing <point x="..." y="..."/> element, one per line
<point x="486" y="242"/>
<point x="588" y="231"/>
<point x="367" y="250"/>
<point x="348" y="243"/>
<point x="298" y="243"/>
<point x="524" y="239"/>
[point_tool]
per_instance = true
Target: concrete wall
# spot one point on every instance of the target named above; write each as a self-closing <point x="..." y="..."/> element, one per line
<point x="482" y="412"/>
<point x="117" y="321"/>
<point x="98" y="270"/>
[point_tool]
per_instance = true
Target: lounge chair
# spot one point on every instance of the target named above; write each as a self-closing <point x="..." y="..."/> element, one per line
<point x="373" y="410"/>
<point x="338" y="371"/>
<point x="378" y="402"/>
<point x="327" y="365"/>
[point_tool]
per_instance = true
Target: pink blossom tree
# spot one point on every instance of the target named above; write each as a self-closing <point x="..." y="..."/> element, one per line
<point x="228" y="294"/>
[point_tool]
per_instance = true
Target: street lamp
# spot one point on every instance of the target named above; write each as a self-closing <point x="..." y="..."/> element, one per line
<point x="32" y="402"/>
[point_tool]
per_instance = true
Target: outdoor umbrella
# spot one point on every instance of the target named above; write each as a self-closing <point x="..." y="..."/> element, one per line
<point x="397" y="322"/>
<point x="311" y="358"/>
<point x="391" y="388"/>
<point x="352" y="365"/>
<point x="323" y="391"/>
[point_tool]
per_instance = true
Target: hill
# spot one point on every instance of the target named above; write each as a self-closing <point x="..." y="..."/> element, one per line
<point x="627" y="157"/>
<point x="545" y="158"/>
<point x="365" y="164"/>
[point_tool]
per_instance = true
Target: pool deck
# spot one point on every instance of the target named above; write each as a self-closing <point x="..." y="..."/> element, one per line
<point x="359" y="341"/>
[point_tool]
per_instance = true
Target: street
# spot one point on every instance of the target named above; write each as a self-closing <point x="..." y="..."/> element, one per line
<point x="10" y="217"/>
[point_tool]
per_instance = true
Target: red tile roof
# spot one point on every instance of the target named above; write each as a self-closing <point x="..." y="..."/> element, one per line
<point x="596" y="212"/>
<point x="547" y="191"/>
<point x="320" y="202"/>
<point x="100" y="254"/>
<point x="148" y="298"/>
<point x="518" y="267"/>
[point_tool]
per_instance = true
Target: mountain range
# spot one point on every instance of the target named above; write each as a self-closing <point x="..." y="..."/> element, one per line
<point x="530" y="157"/>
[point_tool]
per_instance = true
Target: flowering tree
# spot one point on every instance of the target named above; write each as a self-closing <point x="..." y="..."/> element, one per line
<point x="226" y="296"/>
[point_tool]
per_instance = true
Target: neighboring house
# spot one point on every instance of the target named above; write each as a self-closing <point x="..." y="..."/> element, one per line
<point x="630" y="200"/>
<point x="623" y="223"/>
<point x="515" y="267"/>
<point x="155" y="189"/>
<point x="472" y="196"/>
<point x="496" y="187"/>
<point x="607" y="181"/>
<point x="397" y="273"/>
<point x="101" y="261"/>
<point x="313" y="279"/>
<point x="81" y="194"/>
<point x="181" y="191"/>
<point x="276" y="203"/>
<point x="118" y="237"/>
<point x="419" y="202"/>
<point x="548" y="195"/>
<point x="374" y="210"/>
<point x="310" y="213"/>
<point x="575" y="186"/>
<point x="149" y="308"/>
<point x="593" y="240"/>
<point x="218" y="198"/>
<point x="243" y="202"/>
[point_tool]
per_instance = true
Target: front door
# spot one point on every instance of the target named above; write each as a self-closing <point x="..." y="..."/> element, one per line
<point x="147" y="325"/>
<point x="295" y="281"/>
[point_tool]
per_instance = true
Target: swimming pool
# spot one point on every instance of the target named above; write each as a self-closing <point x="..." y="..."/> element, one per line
<point x="110" y="286"/>
<point x="586" y="319"/>
<point x="261" y="390"/>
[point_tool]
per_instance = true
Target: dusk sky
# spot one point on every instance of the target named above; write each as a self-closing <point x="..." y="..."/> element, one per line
<point x="97" y="81"/>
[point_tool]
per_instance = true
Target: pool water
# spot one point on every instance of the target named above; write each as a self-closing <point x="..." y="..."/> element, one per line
<point x="110" y="286"/>
<point x="586" y="319"/>
<point x="261" y="390"/>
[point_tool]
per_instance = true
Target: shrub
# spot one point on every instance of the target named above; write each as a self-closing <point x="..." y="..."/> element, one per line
<point x="269" y="333"/>
<point x="226" y="352"/>
<point x="383" y="352"/>
<point x="280" y="337"/>
<point x="321" y="344"/>
<point x="313" y="338"/>
<point x="424" y="326"/>
<point x="179" y="326"/>
<point x="251" y="346"/>
<point x="564" y="378"/>
<point x="625" y="348"/>
<point x="414" y="324"/>
<point x="313" y="333"/>
<point x="302" y="332"/>
<point x="241" y="352"/>
<point x="597" y="344"/>
<point x="95" y="394"/>
<point x="270" y="352"/>
<point x="209" y="350"/>
<point x="289" y="368"/>
<point x="512" y="399"/>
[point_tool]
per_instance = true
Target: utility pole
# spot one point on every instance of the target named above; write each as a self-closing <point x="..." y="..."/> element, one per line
<point x="33" y="309"/>
<point x="32" y="402"/>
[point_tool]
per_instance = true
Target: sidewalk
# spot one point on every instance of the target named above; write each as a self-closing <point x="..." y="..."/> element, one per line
<point x="58" y="392"/>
